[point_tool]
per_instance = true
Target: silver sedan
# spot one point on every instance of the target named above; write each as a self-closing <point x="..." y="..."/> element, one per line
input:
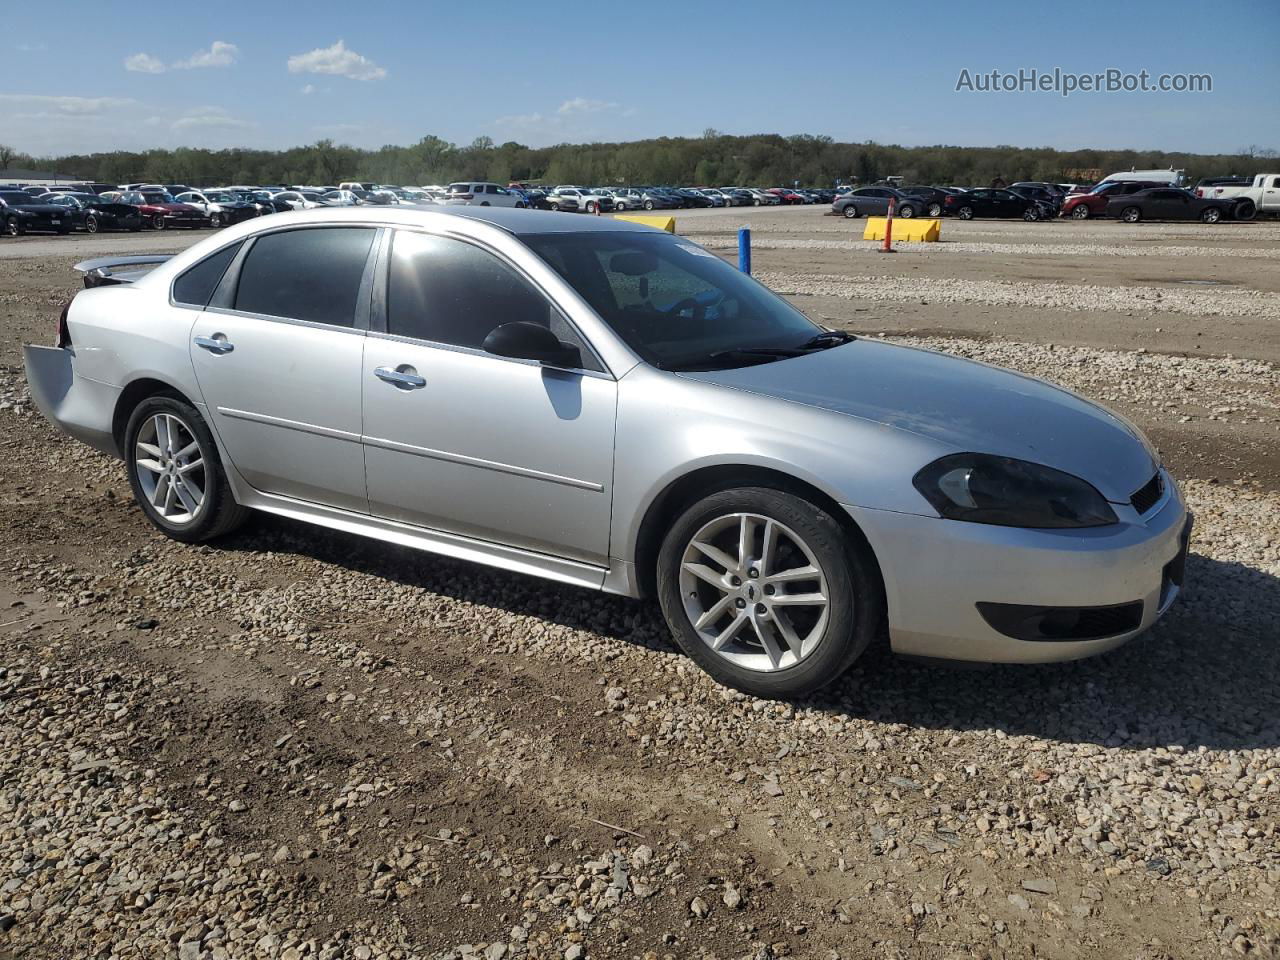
<point x="606" y="405"/>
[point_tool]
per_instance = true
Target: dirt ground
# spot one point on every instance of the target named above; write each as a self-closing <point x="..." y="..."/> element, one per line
<point x="295" y="743"/>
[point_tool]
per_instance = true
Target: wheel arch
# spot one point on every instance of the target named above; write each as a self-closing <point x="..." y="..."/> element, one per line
<point x="133" y="394"/>
<point x="687" y="489"/>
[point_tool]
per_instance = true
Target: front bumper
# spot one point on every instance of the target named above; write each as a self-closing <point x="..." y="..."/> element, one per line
<point x="936" y="572"/>
<point x="76" y="405"/>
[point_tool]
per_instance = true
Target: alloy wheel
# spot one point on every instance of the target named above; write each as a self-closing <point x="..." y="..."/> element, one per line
<point x="170" y="466"/>
<point x="754" y="592"/>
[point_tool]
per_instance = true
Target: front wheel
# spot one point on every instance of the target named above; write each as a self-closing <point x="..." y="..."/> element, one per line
<point x="766" y="592"/>
<point x="12" y="228"/>
<point x="175" y="473"/>
<point x="216" y="221"/>
<point x="935" y="209"/>
<point x="591" y="206"/>
<point x="648" y="204"/>
<point x="907" y="212"/>
<point x="1031" y="214"/>
<point x="1080" y="212"/>
<point x="1211" y="215"/>
<point x="965" y="213"/>
<point x="91" y="224"/>
<point x="157" y="223"/>
<point x="851" y="212"/>
<point x="1131" y="215"/>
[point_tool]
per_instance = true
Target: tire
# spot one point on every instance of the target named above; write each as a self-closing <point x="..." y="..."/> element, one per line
<point x="1080" y="212"/>
<point x="484" y="203"/>
<point x="850" y="212"/>
<point x="648" y="204"/>
<point x="91" y="224"/>
<point x="1246" y="211"/>
<point x="935" y="210"/>
<point x="12" y="227"/>
<point x="1131" y="214"/>
<point x="157" y="222"/>
<point x="1031" y="214"/>
<point x="591" y="206"/>
<point x="830" y="636"/>
<point x="965" y="213"/>
<point x="215" y="221"/>
<point x="520" y="205"/>
<point x="215" y="512"/>
<point x="1210" y="215"/>
<point x="555" y="206"/>
<point x="907" y="211"/>
<point x="756" y="202"/>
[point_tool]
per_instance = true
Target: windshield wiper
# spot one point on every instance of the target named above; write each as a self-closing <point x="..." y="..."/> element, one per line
<point x="828" y="338"/>
<point x="750" y="354"/>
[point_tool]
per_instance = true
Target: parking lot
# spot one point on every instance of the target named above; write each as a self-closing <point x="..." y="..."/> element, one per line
<point x="324" y="746"/>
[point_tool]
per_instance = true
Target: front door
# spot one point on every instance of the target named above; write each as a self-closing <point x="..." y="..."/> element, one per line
<point x="463" y="441"/>
<point x="279" y="365"/>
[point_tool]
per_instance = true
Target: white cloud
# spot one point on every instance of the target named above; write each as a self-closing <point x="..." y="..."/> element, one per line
<point x="219" y="54"/>
<point x="336" y="61"/>
<point x="521" y="120"/>
<point x="308" y="89"/>
<point x="143" y="63"/>
<point x="68" y="106"/>
<point x="204" y="118"/>
<point x="584" y="105"/>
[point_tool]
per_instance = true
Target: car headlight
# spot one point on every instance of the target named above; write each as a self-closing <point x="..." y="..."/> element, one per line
<point x="981" y="488"/>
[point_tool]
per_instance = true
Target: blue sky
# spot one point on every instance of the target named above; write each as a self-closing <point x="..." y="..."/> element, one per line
<point x="274" y="74"/>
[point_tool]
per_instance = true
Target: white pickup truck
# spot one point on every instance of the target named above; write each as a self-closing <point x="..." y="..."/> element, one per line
<point x="1260" y="196"/>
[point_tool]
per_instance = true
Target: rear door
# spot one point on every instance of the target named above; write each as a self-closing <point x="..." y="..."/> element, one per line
<point x="278" y="359"/>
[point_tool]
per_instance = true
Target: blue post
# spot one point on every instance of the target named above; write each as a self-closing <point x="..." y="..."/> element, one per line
<point x="744" y="250"/>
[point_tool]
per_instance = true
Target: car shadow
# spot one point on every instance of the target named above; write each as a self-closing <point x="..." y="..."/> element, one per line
<point x="1207" y="675"/>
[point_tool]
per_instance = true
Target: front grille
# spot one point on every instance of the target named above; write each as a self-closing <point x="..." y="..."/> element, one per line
<point x="1149" y="494"/>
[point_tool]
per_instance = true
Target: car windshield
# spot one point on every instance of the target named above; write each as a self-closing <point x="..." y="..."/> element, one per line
<point x="219" y="197"/>
<point x="677" y="305"/>
<point x="158" y="198"/>
<point x="85" y="197"/>
<point x="16" y="196"/>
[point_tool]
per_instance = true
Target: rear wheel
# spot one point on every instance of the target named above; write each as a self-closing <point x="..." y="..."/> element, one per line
<point x="965" y="213"/>
<point x="1080" y="212"/>
<point x="1131" y="214"/>
<point x="1031" y="214"/>
<point x="91" y="224"/>
<point x="1211" y="215"/>
<point x="935" y="209"/>
<point x="591" y="206"/>
<point x="1246" y="210"/>
<point x="175" y="473"/>
<point x="157" y="222"/>
<point x="216" y="221"/>
<point x="648" y="204"/>
<point x="12" y="228"/>
<point x="907" y="211"/>
<point x="765" y="591"/>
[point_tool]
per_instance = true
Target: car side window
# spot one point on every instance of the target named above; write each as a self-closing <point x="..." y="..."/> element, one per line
<point x="196" y="284"/>
<point x="452" y="292"/>
<point x="310" y="274"/>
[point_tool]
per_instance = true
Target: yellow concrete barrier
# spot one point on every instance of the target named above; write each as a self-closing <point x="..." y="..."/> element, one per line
<point x="910" y="230"/>
<point x="661" y="223"/>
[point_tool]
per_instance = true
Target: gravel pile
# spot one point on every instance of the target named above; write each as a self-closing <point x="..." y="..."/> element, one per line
<point x="1020" y="293"/>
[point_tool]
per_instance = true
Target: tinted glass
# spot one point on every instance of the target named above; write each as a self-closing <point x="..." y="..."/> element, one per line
<point x="306" y="274"/>
<point x="448" y="291"/>
<point x="196" y="285"/>
<point x="673" y="302"/>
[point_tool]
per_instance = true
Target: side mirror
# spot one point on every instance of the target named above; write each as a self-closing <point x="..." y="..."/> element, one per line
<point x="523" y="340"/>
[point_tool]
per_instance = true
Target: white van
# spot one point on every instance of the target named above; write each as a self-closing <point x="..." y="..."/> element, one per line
<point x="483" y="194"/>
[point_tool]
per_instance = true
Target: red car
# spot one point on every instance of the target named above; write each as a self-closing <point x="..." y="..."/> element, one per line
<point x="1082" y="206"/>
<point x="160" y="210"/>
<point x="786" y="195"/>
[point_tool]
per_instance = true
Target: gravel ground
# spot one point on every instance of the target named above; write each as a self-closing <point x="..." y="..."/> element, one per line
<point x="295" y="743"/>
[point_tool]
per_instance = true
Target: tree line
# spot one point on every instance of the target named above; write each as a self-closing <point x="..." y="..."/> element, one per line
<point x="714" y="159"/>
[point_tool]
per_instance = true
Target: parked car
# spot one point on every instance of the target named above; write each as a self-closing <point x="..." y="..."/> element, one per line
<point x="763" y="198"/>
<point x="693" y="199"/>
<point x="788" y="197"/>
<point x="1049" y="200"/>
<point x="579" y="200"/>
<point x="160" y="210"/>
<point x="741" y="196"/>
<point x="714" y="198"/>
<point x="1261" y="194"/>
<point x="934" y="198"/>
<point x="303" y="199"/>
<point x="1171" y="203"/>
<point x="599" y="405"/>
<point x="994" y="203"/>
<point x="874" y="202"/>
<point x="20" y="213"/>
<point x="222" y="208"/>
<point x="1153" y="176"/>
<point x="93" y="213"/>
<point x="1082" y="206"/>
<point x="483" y="194"/>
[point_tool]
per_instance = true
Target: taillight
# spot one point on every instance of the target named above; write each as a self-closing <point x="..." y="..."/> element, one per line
<point x="64" y="332"/>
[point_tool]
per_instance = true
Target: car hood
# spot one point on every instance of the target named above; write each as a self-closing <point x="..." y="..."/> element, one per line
<point x="962" y="404"/>
<point x="116" y="209"/>
<point x="41" y="209"/>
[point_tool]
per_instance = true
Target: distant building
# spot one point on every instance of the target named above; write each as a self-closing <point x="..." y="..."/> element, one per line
<point x="37" y="178"/>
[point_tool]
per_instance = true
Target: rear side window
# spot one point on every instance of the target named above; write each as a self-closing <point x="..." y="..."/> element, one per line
<point x="448" y="291"/>
<point x="312" y="274"/>
<point x="196" y="285"/>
